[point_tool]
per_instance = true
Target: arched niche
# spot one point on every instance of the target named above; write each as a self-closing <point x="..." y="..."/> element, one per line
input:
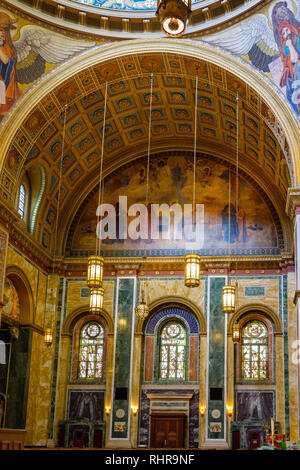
<point x="79" y="314"/>
<point x="173" y="301"/>
<point x="264" y="310"/>
<point x="24" y="290"/>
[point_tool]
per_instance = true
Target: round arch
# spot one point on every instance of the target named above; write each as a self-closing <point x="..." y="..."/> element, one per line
<point x="194" y="49"/>
<point x="262" y="309"/>
<point x="177" y="301"/>
<point x="79" y="313"/>
<point x="21" y="283"/>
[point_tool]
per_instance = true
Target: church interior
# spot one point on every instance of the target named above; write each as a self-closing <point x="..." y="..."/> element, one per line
<point x="134" y="338"/>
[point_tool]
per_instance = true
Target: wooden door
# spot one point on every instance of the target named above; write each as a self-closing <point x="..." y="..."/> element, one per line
<point x="78" y="438"/>
<point x="167" y="431"/>
<point x="235" y="440"/>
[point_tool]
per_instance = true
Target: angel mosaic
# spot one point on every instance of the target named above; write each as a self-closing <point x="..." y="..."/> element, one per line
<point x="272" y="44"/>
<point x="24" y="60"/>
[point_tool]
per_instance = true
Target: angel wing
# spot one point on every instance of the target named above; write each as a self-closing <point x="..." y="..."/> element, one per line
<point x="37" y="46"/>
<point x="253" y="37"/>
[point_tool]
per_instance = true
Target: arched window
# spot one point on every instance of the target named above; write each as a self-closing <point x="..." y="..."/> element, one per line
<point x="255" y="360"/>
<point x="172" y="352"/>
<point x="91" y="348"/>
<point x="21" y="201"/>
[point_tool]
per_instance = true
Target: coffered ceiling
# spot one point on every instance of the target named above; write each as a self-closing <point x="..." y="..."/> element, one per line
<point x="39" y="140"/>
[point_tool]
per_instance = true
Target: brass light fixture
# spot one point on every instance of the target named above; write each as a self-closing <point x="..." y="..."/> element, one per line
<point x="236" y="333"/>
<point x="95" y="272"/>
<point x="48" y="336"/>
<point x="173" y="16"/>
<point x="96" y="262"/>
<point x="192" y="270"/>
<point x="134" y="410"/>
<point x="229" y="298"/>
<point x="192" y="260"/>
<point x="96" y="300"/>
<point x="142" y="310"/>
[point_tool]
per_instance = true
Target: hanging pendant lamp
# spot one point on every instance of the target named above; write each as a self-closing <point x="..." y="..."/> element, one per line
<point x="142" y="310"/>
<point x="95" y="271"/>
<point x="236" y="333"/>
<point x="96" y="300"/>
<point x="229" y="298"/>
<point x="192" y="270"/>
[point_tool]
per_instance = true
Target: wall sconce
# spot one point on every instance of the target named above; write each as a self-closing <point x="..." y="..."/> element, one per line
<point x="48" y="337"/>
<point x="134" y="410"/>
<point x="229" y="410"/>
<point x="202" y="410"/>
<point x="236" y="333"/>
<point x="107" y="410"/>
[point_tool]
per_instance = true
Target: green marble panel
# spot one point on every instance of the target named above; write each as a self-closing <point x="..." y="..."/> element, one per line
<point x="254" y="291"/>
<point x="18" y="380"/>
<point x="60" y="314"/>
<point x="123" y="356"/>
<point x="286" y="353"/>
<point x="216" y="354"/>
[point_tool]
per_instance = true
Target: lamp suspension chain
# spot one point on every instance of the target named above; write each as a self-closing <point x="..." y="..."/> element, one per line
<point x="229" y="290"/>
<point x="192" y="260"/>
<point x="48" y="330"/>
<point x="236" y="326"/>
<point x="96" y="263"/>
<point x="142" y="310"/>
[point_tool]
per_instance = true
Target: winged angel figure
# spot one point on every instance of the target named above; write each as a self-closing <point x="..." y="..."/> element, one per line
<point x="274" y="50"/>
<point x="24" y="60"/>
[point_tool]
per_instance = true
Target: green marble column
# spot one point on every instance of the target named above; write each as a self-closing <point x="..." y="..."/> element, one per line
<point x="123" y="348"/>
<point x="216" y="361"/>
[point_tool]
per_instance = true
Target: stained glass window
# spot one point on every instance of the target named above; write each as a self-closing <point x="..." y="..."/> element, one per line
<point x="254" y="351"/>
<point x="21" y="204"/>
<point x="172" y="351"/>
<point x="91" y="351"/>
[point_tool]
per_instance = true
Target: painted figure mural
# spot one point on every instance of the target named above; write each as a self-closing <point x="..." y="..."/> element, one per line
<point x="255" y="406"/>
<point x="9" y="90"/>
<point x="11" y="301"/>
<point x="86" y="405"/>
<point x="251" y="225"/>
<point x="271" y="42"/>
<point x="24" y="60"/>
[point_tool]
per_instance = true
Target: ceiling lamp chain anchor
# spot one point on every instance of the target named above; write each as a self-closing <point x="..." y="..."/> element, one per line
<point x="173" y="16"/>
